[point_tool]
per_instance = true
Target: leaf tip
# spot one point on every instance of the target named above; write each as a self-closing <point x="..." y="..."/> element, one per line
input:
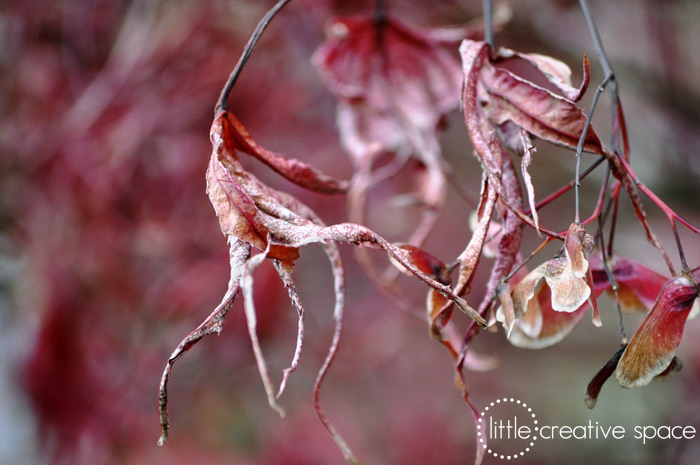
<point x="590" y="401"/>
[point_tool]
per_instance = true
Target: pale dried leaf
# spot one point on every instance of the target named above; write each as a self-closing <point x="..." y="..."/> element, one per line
<point x="528" y="149"/>
<point x="525" y="290"/>
<point x="568" y="291"/>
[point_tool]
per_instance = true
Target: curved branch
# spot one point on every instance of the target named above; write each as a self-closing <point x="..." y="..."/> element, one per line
<point x="233" y="77"/>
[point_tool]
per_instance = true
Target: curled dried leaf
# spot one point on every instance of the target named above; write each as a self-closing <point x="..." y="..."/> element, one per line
<point x="653" y="346"/>
<point x="254" y="215"/>
<point x="528" y="149"/>
<point x="556" y="72"/>
<point x="578" y="245"/>
<point x="238" y="139"/>
<point x="596" y="384"/>
<point x="541" y="326"/>
<point x="507" y="97"/>
<point x="239" y="253"/>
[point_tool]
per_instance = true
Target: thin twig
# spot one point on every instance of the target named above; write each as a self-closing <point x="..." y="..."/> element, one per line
<point x="614" y="206"/>
<point x="566" y="188"/>
<point x="546" y="241"/>
<point x="600" y="50"/>
<point x="613" y="282"/>
<point x="579" y="148"/>
<point x="233" y="77"/>
<point x="601" y="200"/>
<point x="380" y="16"/>
<point x="488" y="24"/>
<point x="620" y="157"/>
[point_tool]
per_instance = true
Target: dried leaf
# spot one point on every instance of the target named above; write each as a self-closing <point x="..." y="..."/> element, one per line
<point x="525" y="290"/>
<point x="554" y="325"/>
<point x="592" y="299"/>
<point x="638" y="286"/>
<point x="469" y="260"/>
<point x="284" y="270"/>
<point x="235" y="137"/>
<point x="596" y="384"/>
<point x="578" y="245"/>
<point x="390" y="68"/>
<point x="333" y="254"/>
<point x="556" y="72"/>
<point x="503" y="96"/>
<point x="568" y="291"/>
<point x="527" y="150"/>
<point x="394" y="84"/>
<point x="506" y="314"/>
<point x="486" y="144"/>
<point x="510" y="235"/>
<point x="674" y="367"/>
<point x="252" y="214"/>
<point x="251" y="319"/>
<point x="653" y="346"/>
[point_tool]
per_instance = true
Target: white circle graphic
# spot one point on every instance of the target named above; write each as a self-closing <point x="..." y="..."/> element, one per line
<point x="524" y="412"/>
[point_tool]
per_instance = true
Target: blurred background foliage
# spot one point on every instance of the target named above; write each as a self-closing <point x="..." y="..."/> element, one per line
<point x="110" y="251"/>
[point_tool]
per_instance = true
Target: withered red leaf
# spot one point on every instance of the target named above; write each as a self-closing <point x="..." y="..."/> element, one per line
<point x="394" y="84"/>
<point x="638" y="286"/>
<point x="555" y="71"/>
<point x="508" y="97"/>
<point x="653" y="346"/>
<point x="596" y="384"/>
<point x="391" y="69"/>
<point x="237" y="138"/>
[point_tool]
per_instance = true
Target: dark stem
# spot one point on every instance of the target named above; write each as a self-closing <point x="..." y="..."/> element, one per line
<point x="604" y="62"/>
<point x="488" y="24"/>
<point x="601" y="201"/>
<point x="684" y="264"/>
<point x="579" y="148"/>
<point x="615" y="207"/>
<point x="380" y="16"/>
<point x="577" y="185"/>
<point x="562" y="190"/>
<point x="613" y="282"/>
<point x="233" y="77"/>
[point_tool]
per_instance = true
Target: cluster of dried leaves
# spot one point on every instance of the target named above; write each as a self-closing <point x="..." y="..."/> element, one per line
<point x="394" y="84"/>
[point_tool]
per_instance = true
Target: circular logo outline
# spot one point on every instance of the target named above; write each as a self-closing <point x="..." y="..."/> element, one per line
<point x="480" y="433"/>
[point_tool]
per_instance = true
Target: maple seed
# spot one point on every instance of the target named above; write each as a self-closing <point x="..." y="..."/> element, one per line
<point x="653" y="346"/>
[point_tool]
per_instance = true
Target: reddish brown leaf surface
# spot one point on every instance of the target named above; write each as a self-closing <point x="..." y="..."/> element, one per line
<point x="556" y="72"/>
<point x="654" y="344"/>
<point x="507" y="97"/>
<point x="237" y="138"/>
<point x="638" y="286"/>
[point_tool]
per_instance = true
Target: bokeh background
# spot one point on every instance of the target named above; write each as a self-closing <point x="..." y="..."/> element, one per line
<point x="110" y="252"/>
